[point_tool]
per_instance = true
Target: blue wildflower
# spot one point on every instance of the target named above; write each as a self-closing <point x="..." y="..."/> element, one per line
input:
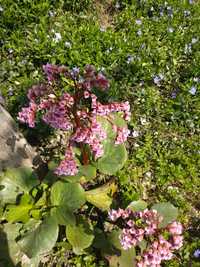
<point x="193" y="90"/>
<point x="197" y="253"/>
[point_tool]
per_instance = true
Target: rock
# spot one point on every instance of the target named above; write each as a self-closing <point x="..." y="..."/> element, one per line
<point x="14" y="149"/>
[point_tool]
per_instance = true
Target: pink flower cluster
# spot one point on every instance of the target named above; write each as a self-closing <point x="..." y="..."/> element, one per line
<point x="77" y="113"/>
<point x="91" y="136"/>
<point x="68" y="165"/>
<point x="28" y="114"/>
<point x="93" y="79"/>
<point x="36" y="91"/>
<point x="145" y="225"/>
<point x="53" y="71"/>
<point x="57" y="114"/>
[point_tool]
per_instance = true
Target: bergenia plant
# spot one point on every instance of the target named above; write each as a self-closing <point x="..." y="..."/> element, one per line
<point x="144" y="230"/>
<point x="68" y="101"/>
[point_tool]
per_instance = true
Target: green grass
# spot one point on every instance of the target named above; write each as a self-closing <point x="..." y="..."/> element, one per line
<point x="164" y="157"/>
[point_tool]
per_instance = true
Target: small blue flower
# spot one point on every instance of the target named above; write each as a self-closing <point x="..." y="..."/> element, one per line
<point x="138" y="22"/>
<point x="170" y="11"/>
<point x="130" y="59"/>
<point x="197" y="253"/>
<point x="139" y="32"/>
<point x="157" y="79"/>
<point x="193" y="90"/>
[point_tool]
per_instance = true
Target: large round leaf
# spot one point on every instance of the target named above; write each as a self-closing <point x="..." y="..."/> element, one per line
<point x="124" y="258"/>
<point x="69" y="195"/>
<point x="86" y="173"/>
<point x="107" y="127"/>
<point x="10" y="254"/>
<point x="113" y="160"/>
<point x="80" y="236"/>
<point x="41" y="239"/>
<point x="63" y="216"/>
<point x="15" y="181"/>
<point x="18" y="213"/>
<point x="137" y="205"/>
<point x="101" y="196"/>
<point x="167" y="211"/>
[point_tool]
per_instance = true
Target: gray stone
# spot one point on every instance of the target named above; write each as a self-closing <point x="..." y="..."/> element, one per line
<point x="14" y="149"/>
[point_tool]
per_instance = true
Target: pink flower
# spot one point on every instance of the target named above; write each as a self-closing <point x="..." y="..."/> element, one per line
<point x="122" y="134"/>
<point x="28" y="114"/>
<point x="175" y="228"/>
<point x="177" y="241"/>
<point x="36" y="91"/>
<point x="68" y="165"/>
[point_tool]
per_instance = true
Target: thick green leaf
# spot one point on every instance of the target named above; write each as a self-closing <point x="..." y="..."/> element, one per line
<point x="118" y="120"/>
<point x="113" y="160"/>
<point x="40" y="240"/>
<point x="137" y="205"/>
<point x="9" y="250"/>
<point x="80" y="236"/>
<point x="63" y="216"/>
<point x="88" y="171"/>
<point x="23" y="177"/>
<point x="18" y="213"/>
<point x="101" y="242"/>
<point x="101" y="196"/>
<point x="113" y="238"/>
<point x="167" y="211"/>
<point x="69" y="195"/>
<point x="107" y="127"/>
<point x="15" y="181"/>
<point x="125" y="259"/>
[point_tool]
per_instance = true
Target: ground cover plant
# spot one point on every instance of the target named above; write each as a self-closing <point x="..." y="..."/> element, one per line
<point x="149" y="53"/>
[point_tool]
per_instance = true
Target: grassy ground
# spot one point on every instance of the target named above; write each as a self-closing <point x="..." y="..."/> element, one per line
<point x="150" y="52"/>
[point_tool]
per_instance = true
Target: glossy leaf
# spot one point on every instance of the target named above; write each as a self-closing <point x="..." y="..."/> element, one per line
<point x="125" y="259"/>
<point x="69" y="195"/>
<point x="113" y="160"/>
<point x="10" y="252"/>
<point x="40" y="240"/>
<point x="167" y="211"/>
<point x="137" y="205"/>
<point x="63" y="216"/>
<point x="122" y="258"/>
<point x="80" y="236"/>
<point x="101" y="197"/>
<point x="15" y="181"/>
<point x="18" y="213"/>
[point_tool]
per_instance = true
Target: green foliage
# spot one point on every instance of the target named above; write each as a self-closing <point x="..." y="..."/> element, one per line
<point x="137" y="205"/>
<point x="113" y="160"/>
<point x="101" y="197"/>
<point x="14" y="181"/>
<point x="80" y="235"/>
<point x="167" y="211"/>
<point x="123" y="258"/>
<point x="164" y="157"/>
<point x="41" y="239"/>
<point x="70" y="196"/>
